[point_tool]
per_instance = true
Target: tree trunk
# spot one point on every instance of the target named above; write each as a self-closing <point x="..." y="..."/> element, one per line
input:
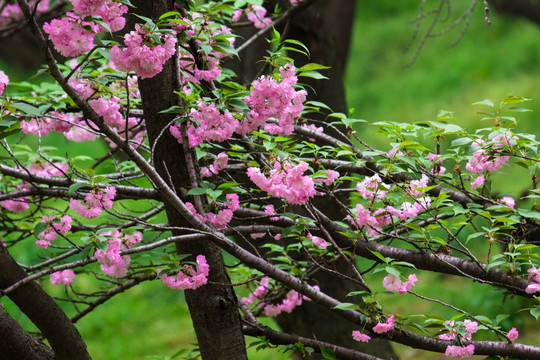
<point x="43" y="311"/>
<point x="213" y="307"/>
<point x="325" y="29"/>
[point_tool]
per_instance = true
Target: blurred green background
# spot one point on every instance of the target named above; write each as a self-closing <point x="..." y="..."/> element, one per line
<point x="488" y="62"/>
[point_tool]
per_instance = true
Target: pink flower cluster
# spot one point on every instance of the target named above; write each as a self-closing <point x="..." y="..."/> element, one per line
<point x="484" y="161"/>
<point x="110" y="11"/>
<point x="220" y="163"/>
<point x="142" y="54"/>
<point x="479" y="181"/>
<point x="273" y="100"/>
<point x="48" y="169"/>
<point x="460" y="352"/>
<point x="437" y="169"/>
<point x="223" y="217"/>
<point x="72" y="36"/>
<point x="12" y="12"/>
<point x="112" y="262"/>
<point x="71" y="125"/>
<point x="372" y="188"/>
<point x="207" y="124"/>
<point x="189" y="278"/>
<point x="384" y="327"/>
<point x="94" y="202"/>
<point x="291" y="301"/>
<point x="534" y="278"/>
<point x="17" y="205"/>
<point x="383" y="216"/>
<point x="285" y="181"/>
<point x="470" y="328"/>
<point x="257" y="15"/>
<point x="393" y="283"/>
<point x="4" y="81"/>
<point x="54" y="228"/>
<point x="65" y="277"/>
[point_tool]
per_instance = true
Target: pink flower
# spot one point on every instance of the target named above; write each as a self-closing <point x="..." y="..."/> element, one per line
<point x="65" y="277"/>
<point x="471" y="327"/>
<point x="391" y="282"/>
<point x="269" y="210"/>
<point x="460" y="352"/>
<point x="331" y="176"/>
<point x="386" y="326"/>
<point x="533" y="288"/>
<point x="508" y="201"/>
<point x="257" y="15"/>
<point x="358" y="336"/>
<point x="52" y="231"/>
<point x="534" y="274"/>
<point x="70" y="36"/>
<point x="479" y="181"/>
<point x="4" y="81"/>
<point x="408" y="284"/>
<point x="236" y="15"/>
<point x="483" y="160"/>
<point x="270" y="99"/>
<point x="513" y="334"/>
<point x="372" y="187"/>
<point x="146" y="61"/>
<point x="16" y="205"/>
<point x="285" y="181"/>
<point x="112" y="262"/>
<point x="317" y="241"/>
<point x="188" y="277"/>
<point x="222" y="219"/>
<point x="417" y="186"/>
<point x="95" y="201"/>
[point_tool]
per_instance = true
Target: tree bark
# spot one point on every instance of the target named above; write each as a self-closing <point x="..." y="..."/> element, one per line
<point x="213" y="307"/>
<point x="525" y="8"/>
<point x="17" y="344"/>
<point x="42" y="310"/>
<point x="325" y="29"/>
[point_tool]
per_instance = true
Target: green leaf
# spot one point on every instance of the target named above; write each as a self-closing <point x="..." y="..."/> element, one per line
<point x="312" y="66"/>
<point x="196" y="191"/>
<point x="380" y="256"/>
<point x="328" y="353"/>
<point x="173" y="110"/>
<point x="312" y="74"/>
<point x="535" y="312"/>
<point x="76" y="186"/>
<point x="214" y="194"/>
<point x="27" y="109"/>
<point x="529" y="214"/>
<point x="346" y="306"/>
<point x="40" y="227"/>
<point x="486" y="102"/>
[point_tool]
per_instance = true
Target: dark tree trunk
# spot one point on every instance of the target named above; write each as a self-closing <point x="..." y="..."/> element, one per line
<point x="42" y="310"/>
<point x="325" y="29"/>
<point x="213" y="307"/>
<point x="17" y="344"/>
<point x="525" y="8"/>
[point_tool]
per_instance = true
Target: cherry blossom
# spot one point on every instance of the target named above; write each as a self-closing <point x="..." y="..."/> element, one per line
<point x="358" y="336"/>
<point x="65" y="277"/>
<point x="188" y="277"/>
